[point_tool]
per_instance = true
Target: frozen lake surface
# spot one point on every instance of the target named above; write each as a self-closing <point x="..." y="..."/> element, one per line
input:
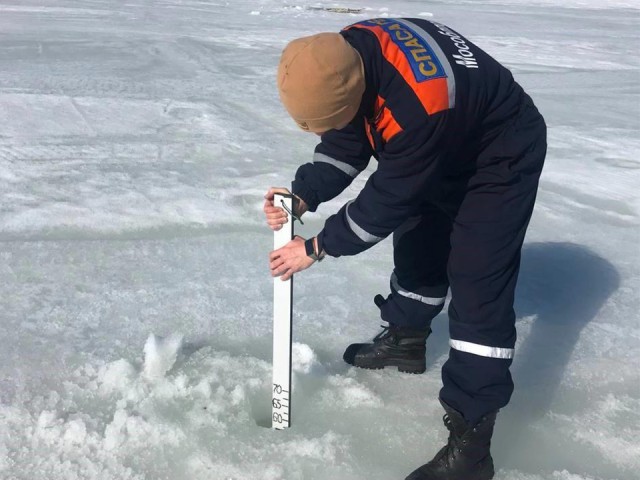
<point x="136" y="141"/>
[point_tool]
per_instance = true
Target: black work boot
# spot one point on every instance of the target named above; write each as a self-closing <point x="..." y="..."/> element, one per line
<point x="393" y="347"/>
<point x="466" y="455"/>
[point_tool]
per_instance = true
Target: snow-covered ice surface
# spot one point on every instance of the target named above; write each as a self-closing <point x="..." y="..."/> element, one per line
<point x="136" y="140"/>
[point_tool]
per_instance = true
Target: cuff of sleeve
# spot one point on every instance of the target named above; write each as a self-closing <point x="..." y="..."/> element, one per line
<point x="321" y="246"/>
<point x="305" y="193"/>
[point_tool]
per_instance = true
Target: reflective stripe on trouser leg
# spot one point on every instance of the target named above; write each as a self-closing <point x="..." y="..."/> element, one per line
<point x="481" y="350"/>
<point x="428" y="295"/>
<point x="414" y="309"/>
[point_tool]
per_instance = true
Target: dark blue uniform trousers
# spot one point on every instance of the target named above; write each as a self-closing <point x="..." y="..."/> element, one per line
<point x="470" y="240"/>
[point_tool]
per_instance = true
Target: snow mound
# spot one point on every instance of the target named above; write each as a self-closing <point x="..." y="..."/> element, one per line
<point x="181" y="419"/>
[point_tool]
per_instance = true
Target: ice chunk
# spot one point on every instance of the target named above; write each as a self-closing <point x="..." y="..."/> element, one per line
<point x="76" y="432"/>
<point x="160" y="355"/>
<point x="304" y="359"/>
<point x="116" y="376"/>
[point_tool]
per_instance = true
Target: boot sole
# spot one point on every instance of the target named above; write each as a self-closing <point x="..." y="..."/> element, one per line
<point x="403" y="366"/>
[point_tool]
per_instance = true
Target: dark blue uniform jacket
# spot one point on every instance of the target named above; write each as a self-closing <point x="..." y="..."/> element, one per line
<point x="433" y="100"/>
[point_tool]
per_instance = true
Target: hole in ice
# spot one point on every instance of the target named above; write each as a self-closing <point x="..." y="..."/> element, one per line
<point x="261" y="409"/>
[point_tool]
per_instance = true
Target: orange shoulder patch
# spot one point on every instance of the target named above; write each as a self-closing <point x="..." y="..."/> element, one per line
<point x="414" y="59"/>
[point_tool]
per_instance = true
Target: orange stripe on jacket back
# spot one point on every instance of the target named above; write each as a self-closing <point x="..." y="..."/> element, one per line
<point x="367" y="129"/>
<point x="383" y="122"/>
<point x="433" y="94"/>
<point x="386" y="123"/>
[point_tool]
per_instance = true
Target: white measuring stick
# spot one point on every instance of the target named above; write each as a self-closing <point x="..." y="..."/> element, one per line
<point x="282" y="322"/>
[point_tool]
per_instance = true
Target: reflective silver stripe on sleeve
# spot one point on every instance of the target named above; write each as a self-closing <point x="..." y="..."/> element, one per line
<point x="415" y="296"/>
<point x="342" y="166"/>
<point x="451" y="80"/>
<point x="482" y="350"/>
<point x="358" y="230"/>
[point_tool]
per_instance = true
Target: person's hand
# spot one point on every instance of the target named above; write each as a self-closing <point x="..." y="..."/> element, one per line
<point x="276" y="216"/>
<point x="290" y="259"/>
